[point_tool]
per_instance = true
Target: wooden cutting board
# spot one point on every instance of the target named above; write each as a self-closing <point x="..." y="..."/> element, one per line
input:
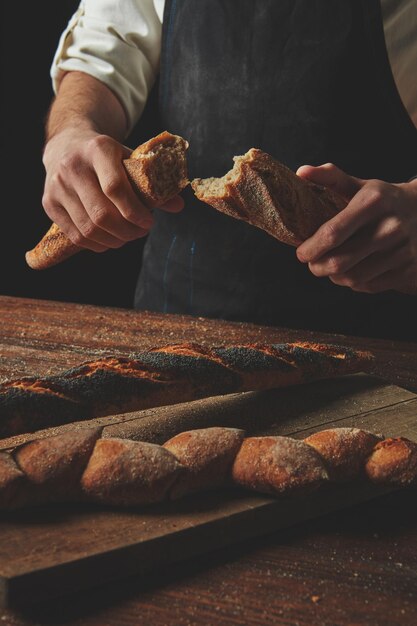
<point x="59" y="549"/>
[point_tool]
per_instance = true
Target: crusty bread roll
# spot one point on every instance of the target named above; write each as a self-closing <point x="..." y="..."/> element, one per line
<point x="54" y="466"/>
<point x="157" y="170"/>
<point x="393" y="462"/>
<point x="278" y="465"/>
<point x="343" y="450"/>
<point x="129" y="473"/>
<point x="208" y="455"/>
<point x="120" y="472"/>
<point x="166" y="375"/>
<point x="267" y="194"/>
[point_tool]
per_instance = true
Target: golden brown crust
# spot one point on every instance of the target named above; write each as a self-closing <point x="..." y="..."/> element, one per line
<point x="157" y="170"/>
<point x="278" y="465"/>
<point x="53" y="248"/>
<point x="343" y="450"/>
<point x="268" y="195"/>
<point x="54" y="465"/>
<point x="121" y="472"/>
<point x="208" y="455"/>
<point x="129" y="473"/>
<point x="166" y="375"/>
<point x="393" y="462"/>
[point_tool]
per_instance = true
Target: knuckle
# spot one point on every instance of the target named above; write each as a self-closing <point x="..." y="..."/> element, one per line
<point x="98" y="216"/>
<point x="56" y="179"/>
<point x="391" y="227"/>
<point x="131" y="215"/>
<point x="375" y="192"/>
<point x="100" y="142"/>
<point x="48" y="201"/>
<point x="335" y="265"/>
<point x="330" y="234"/>
<point x="69" y="163"/>
<point x="88" y="230"/>
<point x="112" y="187"/>
<point x="77" y="238"/>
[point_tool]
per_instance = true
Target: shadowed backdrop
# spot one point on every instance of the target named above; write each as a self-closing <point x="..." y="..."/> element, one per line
<point x="30" y="34"/>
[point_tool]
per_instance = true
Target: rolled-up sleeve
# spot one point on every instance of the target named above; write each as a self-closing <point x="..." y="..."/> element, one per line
<point x="116" y="41"/>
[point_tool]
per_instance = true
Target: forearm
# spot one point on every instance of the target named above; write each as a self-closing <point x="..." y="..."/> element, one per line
<point x="83" y="102"/>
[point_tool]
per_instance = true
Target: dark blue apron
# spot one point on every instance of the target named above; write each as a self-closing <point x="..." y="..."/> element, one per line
<point x="308" y="81"/>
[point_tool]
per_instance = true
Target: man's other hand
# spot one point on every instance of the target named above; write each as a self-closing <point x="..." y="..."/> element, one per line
<point x="371" y="245"/>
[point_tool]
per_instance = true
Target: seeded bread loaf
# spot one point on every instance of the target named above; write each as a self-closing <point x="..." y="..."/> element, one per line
<point x="164" y="376"/>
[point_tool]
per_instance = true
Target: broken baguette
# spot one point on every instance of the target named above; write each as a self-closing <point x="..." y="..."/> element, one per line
<point x="157" y="171"/>
<point x="267" y="194"/>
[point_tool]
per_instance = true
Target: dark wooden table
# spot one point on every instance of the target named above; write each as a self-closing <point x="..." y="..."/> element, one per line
<point x="358" y="566"/>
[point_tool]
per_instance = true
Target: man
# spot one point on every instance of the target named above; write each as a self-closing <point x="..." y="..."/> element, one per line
<point x="308" y="81"/>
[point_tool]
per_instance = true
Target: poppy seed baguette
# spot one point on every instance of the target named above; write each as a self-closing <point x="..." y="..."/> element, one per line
<point x="164" y="376"/>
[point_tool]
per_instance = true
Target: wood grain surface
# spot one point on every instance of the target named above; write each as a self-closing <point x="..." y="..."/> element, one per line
<point x="355" y="567"/>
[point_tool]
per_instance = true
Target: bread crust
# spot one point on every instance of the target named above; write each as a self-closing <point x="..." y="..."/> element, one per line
<point x="343" y="450"/>
<point x="120" y="472"/>
<point x="265" y="193"/>
<point x="129" y="473"/>
<point x="207" y="454"/>
<point x="393" y="462"/>
<point x="54" y="466"/>
<point x="278" y="465"/>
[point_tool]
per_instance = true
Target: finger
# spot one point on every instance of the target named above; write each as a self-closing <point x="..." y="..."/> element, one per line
<point x="175" y="205"/>
<point x="60" y="216"/>
<point x="104" y="215"/>
<point x="331" y="176"/>
<point x="76" y="205"/>
<point x="402" y="279"/>
<point x="368" y="204"/>
<point x="374" y="266"/>
<point x="382" y="236"/>
<point x="115" y="185"/>
<point x="61" y="194"/>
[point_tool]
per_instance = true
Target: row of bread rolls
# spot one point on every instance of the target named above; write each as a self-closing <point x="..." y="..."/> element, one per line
<point x="80" y="465"/>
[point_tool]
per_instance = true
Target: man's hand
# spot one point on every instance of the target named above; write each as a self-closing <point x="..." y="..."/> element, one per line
<point x="370" y="246"/>
<point x="88" y="194"/>
<point x="87" y="191"/>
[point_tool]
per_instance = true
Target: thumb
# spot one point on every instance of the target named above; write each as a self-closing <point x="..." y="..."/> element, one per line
<point x="331" y="176"/>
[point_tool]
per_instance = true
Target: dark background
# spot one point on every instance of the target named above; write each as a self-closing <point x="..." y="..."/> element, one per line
<point x="29" y="37"/>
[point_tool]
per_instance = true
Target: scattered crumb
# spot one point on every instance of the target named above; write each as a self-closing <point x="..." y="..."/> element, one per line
<point x="315" y="599"/>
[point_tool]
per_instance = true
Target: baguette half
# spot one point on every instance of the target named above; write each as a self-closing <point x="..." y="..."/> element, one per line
<point x="265" y="193"/>
<point x="157" y="171"/>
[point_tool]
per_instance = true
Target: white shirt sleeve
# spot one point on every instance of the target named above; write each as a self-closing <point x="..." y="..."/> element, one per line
<point x="119" y="43"/>
<point x="400" y="28"/>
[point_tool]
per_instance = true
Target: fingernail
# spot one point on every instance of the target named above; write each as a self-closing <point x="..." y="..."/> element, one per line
<point x="301" y="257"/>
